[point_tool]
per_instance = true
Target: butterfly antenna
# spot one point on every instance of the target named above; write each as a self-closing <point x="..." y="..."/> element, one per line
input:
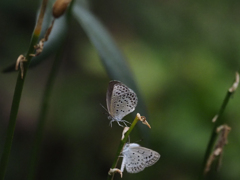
<point x="139" y="140"/>
<point x="103" y="107"/>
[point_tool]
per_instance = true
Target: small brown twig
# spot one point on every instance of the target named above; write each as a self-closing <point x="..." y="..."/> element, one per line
<point x="223" y="132"/>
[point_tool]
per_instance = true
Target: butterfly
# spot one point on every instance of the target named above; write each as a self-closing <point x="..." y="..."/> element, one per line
<point x="121" y="101"/>
<point x="136" y="157"/>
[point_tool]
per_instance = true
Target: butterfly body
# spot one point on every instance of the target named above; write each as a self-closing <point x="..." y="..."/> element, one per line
<point x="136" y="158"/>
<point x="120" y="100"/>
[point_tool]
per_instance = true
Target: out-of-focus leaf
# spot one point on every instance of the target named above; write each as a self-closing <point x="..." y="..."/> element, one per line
<point x="54" y="42"/>
<point x="110" y="55"/>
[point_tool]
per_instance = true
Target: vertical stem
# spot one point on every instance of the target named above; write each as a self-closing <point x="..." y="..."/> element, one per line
<point x="120" y="147"/>
<point x="214" y="134"/>
<point x="11" y="126"/>
<point x="44" y="109"/>
<point x="42" y="117"/>
<point x="17" y="97"/>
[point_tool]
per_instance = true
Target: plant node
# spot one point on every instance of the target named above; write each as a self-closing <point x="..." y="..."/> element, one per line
<point x="20" y="61"/>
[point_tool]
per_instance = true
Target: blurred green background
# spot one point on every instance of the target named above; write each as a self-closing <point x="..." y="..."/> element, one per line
<point x="183" y="54"/>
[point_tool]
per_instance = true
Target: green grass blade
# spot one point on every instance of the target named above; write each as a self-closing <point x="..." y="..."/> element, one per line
<point x="110" y="55"/>
<point x="18" y="94"/>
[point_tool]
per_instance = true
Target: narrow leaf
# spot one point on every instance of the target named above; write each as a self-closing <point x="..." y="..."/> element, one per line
<point x="110" y="55"/>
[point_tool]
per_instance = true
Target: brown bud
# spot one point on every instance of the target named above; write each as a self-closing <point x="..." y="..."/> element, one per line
<point x="60" y="7"/>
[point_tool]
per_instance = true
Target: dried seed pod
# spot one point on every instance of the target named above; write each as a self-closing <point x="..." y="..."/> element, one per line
<point x="60" y="7"/>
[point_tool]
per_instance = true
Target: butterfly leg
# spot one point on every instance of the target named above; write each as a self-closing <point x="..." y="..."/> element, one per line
<point x="120" y="124"/>
<point x="124" y="122"/>
<point x="110" y="123"/>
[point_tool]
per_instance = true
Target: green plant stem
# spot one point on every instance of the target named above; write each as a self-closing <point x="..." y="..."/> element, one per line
<point x="17" y="96"/>
<point x="120" y="147"/>
<point x="13" y="115"/>
<point x="42" y="117"/>
<point x="44" y="109"/>
<point x="213" y="137"/>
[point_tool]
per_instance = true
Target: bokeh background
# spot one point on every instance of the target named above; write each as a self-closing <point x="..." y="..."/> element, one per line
<point x="183" y="54"/>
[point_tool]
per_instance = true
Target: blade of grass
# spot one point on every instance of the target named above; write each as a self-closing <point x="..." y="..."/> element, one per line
<point x="42" y="117"/>
<point x="112" y="58"/>
<point x="44" y="107"/>
<point x="218" y="122"/>
<point x="18" y="93"/>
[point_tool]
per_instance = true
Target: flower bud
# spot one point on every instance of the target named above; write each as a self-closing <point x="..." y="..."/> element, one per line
<point x="60" y="7"/>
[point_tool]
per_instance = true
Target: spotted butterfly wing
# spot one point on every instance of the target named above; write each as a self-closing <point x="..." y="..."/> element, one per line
<point x="150" y="157"/>
<point x="136" y="158"/>
<point x="134" y="163"/>
<point x="121" y="100"/>
<point x="109" y="95"/>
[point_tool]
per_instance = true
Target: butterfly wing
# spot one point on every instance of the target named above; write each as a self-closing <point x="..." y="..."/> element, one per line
<point x="136" y="158"/>
<point x="134" y="162"/>
<point x="150" y="157"/>
<point x="109" y="94"/>
<point x="123" y="101"/>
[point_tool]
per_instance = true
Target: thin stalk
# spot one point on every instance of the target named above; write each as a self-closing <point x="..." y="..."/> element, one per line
<point x="18" y="93"/>
<point x="214" y="134"/>
<point x="42" y="117"/>
<point x="44" y="109"/>
<point x="120" y="147"/>
<point x="219" y="121"/>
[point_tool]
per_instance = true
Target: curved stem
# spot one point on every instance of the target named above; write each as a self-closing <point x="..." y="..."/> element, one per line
<point x="18" y="93"/>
